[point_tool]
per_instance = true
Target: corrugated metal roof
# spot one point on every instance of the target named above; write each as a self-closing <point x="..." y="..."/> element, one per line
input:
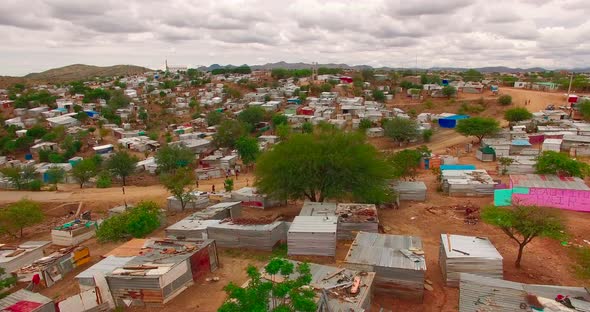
<point x="476" y="247"/>
<point x="384" y="250"/>
<point x="192" y="224"/>
<point x="315" y="224"/>
<point x="548" y="181"/>
<point x="27" y="246"/>
<point x="23" y="295"/>
<point x="224" y="205"/>
<point x="318" y="209"/>
<point x="104" y="266"/>
<point x="129" y="249"/>
<point x="403" y="186"/>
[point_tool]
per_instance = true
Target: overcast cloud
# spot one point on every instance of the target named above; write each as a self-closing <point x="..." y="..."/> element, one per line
<point x="42" y="34"/>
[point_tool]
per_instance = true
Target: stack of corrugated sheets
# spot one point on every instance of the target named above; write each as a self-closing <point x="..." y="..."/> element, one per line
<point x="313" y="235"/>
<point x="398" y="261"/>
<point x="468" y="254"/>
<point x="219" y="211"/>
<point x="407" y="190"/>
<point x="261" y="237"/>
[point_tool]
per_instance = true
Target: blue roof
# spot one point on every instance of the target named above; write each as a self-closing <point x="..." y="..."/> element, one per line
<point x="61" y="109"/>
<point x="456" y="117"/>
<point x="457" y="167"/>
<point x="521" y="143"/>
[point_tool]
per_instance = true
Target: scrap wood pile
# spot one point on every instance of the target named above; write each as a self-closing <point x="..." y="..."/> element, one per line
<point x="470" y="212"/>
<point x="344" y="286"/>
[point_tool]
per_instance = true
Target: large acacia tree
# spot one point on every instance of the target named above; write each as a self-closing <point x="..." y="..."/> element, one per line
<point x="478" y="127"/>
<point x="325" y="164"/>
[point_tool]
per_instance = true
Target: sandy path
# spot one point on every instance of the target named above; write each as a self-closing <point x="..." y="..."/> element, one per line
<point x="539" y="100"/>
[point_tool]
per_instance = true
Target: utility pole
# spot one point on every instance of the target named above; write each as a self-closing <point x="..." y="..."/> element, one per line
<point x="567" y="99"/>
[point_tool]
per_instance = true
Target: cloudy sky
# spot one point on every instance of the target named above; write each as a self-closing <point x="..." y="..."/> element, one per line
<point x="42" y="34"/>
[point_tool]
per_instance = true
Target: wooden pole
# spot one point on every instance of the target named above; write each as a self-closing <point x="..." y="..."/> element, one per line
<point x="449" y="242"/>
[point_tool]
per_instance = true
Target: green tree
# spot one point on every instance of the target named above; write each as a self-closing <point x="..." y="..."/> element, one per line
<point x="55" y="176"/>
<point x="214" y="118"/>
<point x="401" y="129"/>
<point x="365" y="124"/>
<point x="143" y="115"/>
<point x="449" y="91"/>
<point x="517" y="114"/>
<point x="406" y="162"/>
<point x="472" y="75"/>
<point x="478" y="127"/>
<point x="505" y="100"/>
<point x="137" y="222"/>
<point x="122" y="164"/>
<point x="248" y="149"/>
<point x="504" y="162"/>
<point x="37" y="131"/>
<point x="118" y="100"/>
<point x="19" y="177"/>
<point x="283" y="131"/>
<point x="19" y="215"/>
<point x="103" y="180"/>
<point x="84" y="170"/>
<point x="307" y="127"/>
<point x="427" y="135"/>
<point x="251" y="116"/>
<point x="279" y="119"/>
<point x="328" y="164"/>
<point x="551" y="162"/>
<point x="228" y="185"/>
<point x="379" y="96"/>
<point x="171" y="157"/>
<point x="583" y="108"/>
<point x="524" y="223"/>
<point x="179" y="183"/>
<point x="289" y="291"/>
<point x="228" y="132"/>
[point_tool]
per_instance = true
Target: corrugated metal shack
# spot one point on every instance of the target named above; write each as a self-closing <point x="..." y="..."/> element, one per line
<point x="408" y="190"/>
<point x="14" y="257"/>
<point x="190" y="227"/>
<point x="467" y="183"/>
<point x="336" y="283"/>
<point x="107" y="265"/>
<point x="501" y="146"/>
<point x="552" y="145"/>
<point x="56" y="266"/>
<point x="250" y="197"/>
<point x="255" y="236"/>
<point x="198" y="200"/>
<point x="353" y="218"/>
<point x="73" y="232"/>
<point x="479" y="293"/>
<point x="318" y="209"/>
<point x="219" y="211"/>
<point x="26" y="301"/>
<point x="521" y="165"/>
<point x="468" y="254"/>
<point x="163" y="270"/>
<point x="576" y="145"/>
<point x="313" y="235"/>
<point x="397" y="260"/>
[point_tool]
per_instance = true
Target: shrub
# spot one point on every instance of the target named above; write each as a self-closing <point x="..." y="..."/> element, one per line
<point x="35" y="185"/>
<point x="427" y="134"/>
<point x="136" y="222"/>
<point x="104" y="180"/>
<point x="428" y="104"/>
<point x="505" y="100"/>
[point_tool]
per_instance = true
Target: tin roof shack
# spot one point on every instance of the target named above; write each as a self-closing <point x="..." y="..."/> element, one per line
<point x="485" y="153"/>
<point x="500" y="146"/>
<point x="249" y="234"/>
<point x="576" y="145"/>
<point x="73" y="233"/>
<point x="552" y="145"/>
<point x="13" y="257"/>
<point x="550" y="191"/>
<point x="336" y="283"/>
<point x="467" y="182"/>
<point x="479" y="293"/>
<point x="26" y="301"/>
<point x="353" y="218"/>
<point x="163" y="271"/>
<point x="318" y="209"/>
<point x="219" y="211"/>
<point x="407" y="190"/>
<point x="107" y="265"/>
<point x="190" y="227"/>
<point x="54" y="267"/>
<point x="397" y="260"/>
<point x="313" y="235"/>
<point x="251" y="198"/>
<point x="198" y="200"/>
<point x="521" y="165"/>
<point x="468" y="254"/>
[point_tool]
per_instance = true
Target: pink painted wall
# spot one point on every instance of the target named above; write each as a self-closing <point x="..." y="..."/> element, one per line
<point x="555" y="198"/>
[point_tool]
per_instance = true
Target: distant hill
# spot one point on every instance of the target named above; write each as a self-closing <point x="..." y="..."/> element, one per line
<point x="84" y="72"/>
<point x="489" y="69"/>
